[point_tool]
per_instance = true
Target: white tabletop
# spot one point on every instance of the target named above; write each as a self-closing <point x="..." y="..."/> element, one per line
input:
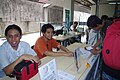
<point x="67" y="64"/>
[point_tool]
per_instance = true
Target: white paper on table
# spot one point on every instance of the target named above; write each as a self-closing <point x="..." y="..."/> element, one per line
<point x="84" y="53"/>
<point x="81" y="53"/>
<point x="65" y="76"/>
<point x="48" y="71"/>
<point x="77" y="58"/>
<point x="92" y="60"/>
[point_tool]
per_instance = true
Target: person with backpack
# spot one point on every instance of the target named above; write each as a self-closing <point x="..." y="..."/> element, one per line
<point x="107" y="22"/>
<point x="111" y="52"/>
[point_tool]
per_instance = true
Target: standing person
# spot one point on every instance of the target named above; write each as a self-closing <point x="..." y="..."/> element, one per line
<point x="73" y="28"/>
<point x="44" y="44"/>
<point x="13" y="51"/>
<point x="95" y="23"/>
<point x="111" y="52"/>
<point x="95" y="40"/>
<point x="107" y="23"/>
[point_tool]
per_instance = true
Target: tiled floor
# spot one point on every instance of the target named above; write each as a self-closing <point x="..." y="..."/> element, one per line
<point x="31" y="38"/>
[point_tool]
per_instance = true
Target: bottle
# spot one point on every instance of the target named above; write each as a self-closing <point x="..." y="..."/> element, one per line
<point x="63" y="32"/>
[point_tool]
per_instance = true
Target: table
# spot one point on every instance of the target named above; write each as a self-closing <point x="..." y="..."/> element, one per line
<point x="65" y="39"/>
<point x="67" y="64"/>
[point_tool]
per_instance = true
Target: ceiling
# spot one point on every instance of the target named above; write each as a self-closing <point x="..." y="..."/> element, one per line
<point x="87" y="3"/>
<point x="107" y="1"/>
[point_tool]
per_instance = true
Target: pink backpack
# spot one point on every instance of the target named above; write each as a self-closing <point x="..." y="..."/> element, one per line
<point x="111" y="46"/>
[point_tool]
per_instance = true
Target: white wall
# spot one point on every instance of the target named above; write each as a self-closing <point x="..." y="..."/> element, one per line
<point x="61" y="3"/>
<point x="81" y="8"/>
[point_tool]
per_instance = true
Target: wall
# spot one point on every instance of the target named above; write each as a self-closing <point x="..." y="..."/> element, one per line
<point x="61" y="3"/>
<point x="26" y="14"/>
<point x="81" y="8"/>
<point x="55" y="14"/>
<point x="104" y="9"/>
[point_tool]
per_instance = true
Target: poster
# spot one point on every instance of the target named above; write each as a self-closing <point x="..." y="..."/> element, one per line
<point x="79" y="53"/>
<point x="48" y="71"/>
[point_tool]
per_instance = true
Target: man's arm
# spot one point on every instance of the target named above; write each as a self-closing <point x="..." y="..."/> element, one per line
<point x="95" y="49"/>
<point x="64" y="52"/>
<point x="9" y="69"/>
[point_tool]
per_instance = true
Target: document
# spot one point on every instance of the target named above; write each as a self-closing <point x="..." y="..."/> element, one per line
<point x="48" y="71"/>
<point x="84" y="52"/>
<point x="80" y="53"/>
<point x="77" y="58"/>
<point x="91" y="60"/>
<point x="65" y="76"/>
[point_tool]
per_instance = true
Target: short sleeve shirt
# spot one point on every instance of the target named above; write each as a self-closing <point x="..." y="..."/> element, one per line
<point x="93" y="37"/>
<point x="41" y="46"/>
<point x="9" y="55"/>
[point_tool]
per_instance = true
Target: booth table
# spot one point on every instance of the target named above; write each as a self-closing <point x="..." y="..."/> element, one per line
<point x="67" y="64"/>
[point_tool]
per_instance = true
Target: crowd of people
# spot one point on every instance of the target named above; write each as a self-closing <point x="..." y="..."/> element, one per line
<point x="13" y="51"/>
<point x="99" y="35"/>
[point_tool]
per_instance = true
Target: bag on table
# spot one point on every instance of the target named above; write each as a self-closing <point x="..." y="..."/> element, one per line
<point x="25" y="70"/>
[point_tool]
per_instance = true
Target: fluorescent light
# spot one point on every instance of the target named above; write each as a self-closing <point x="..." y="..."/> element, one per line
<point x="114" y="3"/>
<point x="46" y="5"/>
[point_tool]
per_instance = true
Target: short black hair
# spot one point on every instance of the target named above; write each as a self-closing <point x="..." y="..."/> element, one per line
<point x="13" y="26"/>
<point x="93" y="20"/>
<point x="104" y="17"/>
<point x="45" y="27"/>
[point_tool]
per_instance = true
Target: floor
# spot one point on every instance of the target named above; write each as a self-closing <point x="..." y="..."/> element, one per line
<point x="31" y="38"/>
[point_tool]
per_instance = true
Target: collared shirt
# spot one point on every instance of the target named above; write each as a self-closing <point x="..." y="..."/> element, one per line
<point x="9" y="55"/>
<point x="93" y="37"/>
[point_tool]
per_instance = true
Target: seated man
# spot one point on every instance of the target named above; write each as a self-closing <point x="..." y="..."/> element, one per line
<point x="13" y="51"/>
<point x="44" y="44"/>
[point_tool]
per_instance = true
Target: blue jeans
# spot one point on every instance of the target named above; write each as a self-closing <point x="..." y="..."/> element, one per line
<point x="107" y="77"/>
